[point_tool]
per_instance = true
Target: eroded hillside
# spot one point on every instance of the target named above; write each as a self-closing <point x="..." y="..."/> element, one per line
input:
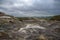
<point x="12" y="28"/>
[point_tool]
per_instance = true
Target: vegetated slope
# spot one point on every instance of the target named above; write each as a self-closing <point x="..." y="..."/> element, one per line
<point x="57" y="17"/>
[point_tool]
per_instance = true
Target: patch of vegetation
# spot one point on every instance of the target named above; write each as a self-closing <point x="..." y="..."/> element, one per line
<point x="24" y="18"/>
<point x="57" y="18"/>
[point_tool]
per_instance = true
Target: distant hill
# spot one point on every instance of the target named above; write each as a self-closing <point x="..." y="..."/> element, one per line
<point x="57" y="18"/>
<point x="2" y="13"/>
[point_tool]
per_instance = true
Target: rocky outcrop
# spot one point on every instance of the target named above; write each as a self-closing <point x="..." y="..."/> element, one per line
<point x="8" y="27"/>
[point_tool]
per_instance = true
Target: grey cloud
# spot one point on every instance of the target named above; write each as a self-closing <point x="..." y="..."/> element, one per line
<point x="38" y="7"/>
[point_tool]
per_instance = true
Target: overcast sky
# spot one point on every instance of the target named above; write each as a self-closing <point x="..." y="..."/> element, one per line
<point x="25" y="8"/>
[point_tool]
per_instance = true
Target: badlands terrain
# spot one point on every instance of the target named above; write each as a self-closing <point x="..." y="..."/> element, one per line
<point x="11" y="28"/>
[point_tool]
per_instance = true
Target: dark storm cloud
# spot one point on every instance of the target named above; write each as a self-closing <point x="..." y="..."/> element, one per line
<point x="31" y="7"/>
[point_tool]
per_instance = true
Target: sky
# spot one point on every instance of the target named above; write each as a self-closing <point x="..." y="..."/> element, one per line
<point x="30" y="8"/>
